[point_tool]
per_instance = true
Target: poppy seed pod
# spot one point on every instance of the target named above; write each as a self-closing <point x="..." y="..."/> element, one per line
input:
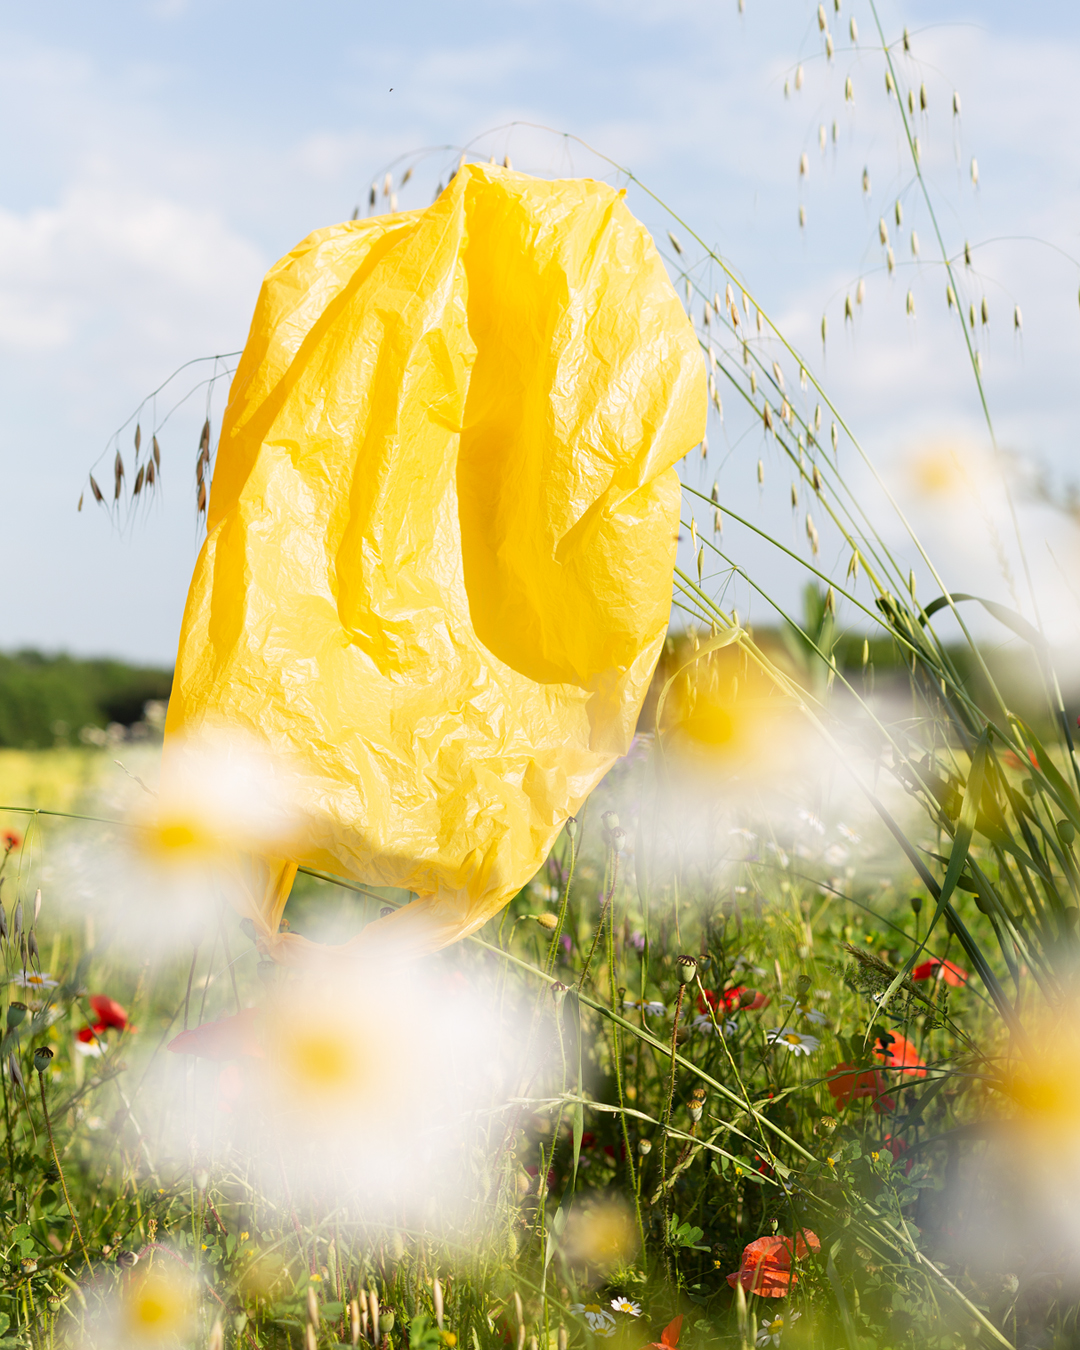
<point x="618" y="840"/>
<point x="686" y="969"/>
<point x="386" y="1321"/>
<point x="802" y="985"/>
<point x="916" y="904"/>
<point x="42" y="1058"/>
<point x="571" y="827"/>
<point x="611" y="820"/>
<point x="559" y="991"/>
<point x="644" y="1147"/>
<point x="15" y="1014"/>
<point x="127" y="1259"/>
<point x="694" y="1106"/>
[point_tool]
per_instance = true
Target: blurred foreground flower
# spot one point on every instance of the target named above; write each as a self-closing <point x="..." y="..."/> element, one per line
<point x="731" y="1000"/>
<point x="153" y="1309"/>
<point x="766" y="1264"/>
<point x="11" y="840"/>
<point x="601" y="1235"/>
<point x="374" y="1093"/>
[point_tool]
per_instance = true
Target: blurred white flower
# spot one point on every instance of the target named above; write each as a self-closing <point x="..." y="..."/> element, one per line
<point x="598" y="1319"/>
<point x="797" y="1042"/>
<point x="653" y="1006"/>
<point x="371" y="1086"/>
<point x="625" y="1305"/>
<point x="813" y="1015"/>
<point x="30" y="979"/>
<point x="772" y="1328"/>
<point x="153" y="1308"/>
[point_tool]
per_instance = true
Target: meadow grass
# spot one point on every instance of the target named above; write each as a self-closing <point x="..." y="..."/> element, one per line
<point x="790" y="1007"/>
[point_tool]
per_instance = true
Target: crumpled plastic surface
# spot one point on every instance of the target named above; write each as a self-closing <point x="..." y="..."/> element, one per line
<point x="440" y="537"/>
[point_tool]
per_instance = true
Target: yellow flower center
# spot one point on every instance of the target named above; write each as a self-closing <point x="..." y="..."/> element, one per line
<point x="793" y="1038"/>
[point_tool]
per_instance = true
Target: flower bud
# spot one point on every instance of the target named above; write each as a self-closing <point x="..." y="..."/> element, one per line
<point x="916" y="904"/>
<point x="1066" y="831"/>
<point x="42" y="1057"/>
<point x="644" y="1147"/>
<point x="559" y="991"/>
<point x="686" y="969"/>
<point x="386" y="1321"/>
<point x="694" y="1106"/>
<point x="547" y="920"/>
<point x="15" y="1072"/>
<point x="15" y="1014"/>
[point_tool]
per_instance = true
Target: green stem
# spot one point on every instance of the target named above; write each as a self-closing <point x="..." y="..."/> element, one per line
<point x="60" y="1170"/>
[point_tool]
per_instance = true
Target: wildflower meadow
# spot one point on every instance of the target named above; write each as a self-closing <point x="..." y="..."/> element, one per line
<point x="771" y="1041"/>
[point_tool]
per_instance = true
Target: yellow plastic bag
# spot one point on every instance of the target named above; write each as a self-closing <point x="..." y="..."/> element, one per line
<point x="437" y="572"/>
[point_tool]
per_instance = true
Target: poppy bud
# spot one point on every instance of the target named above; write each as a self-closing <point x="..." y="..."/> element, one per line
<point x="547" y="920"/>
<point x="644" y="1147"/>
<point x="42" y="1056"/>
<point x="611" y="820"/>
<point x="127" y="1259"/>
<point x="15" y="1014"/>
<point x="559" y="991"/>
<point x="618" y="840"/>
<point x="916" y="904"/>
<point x="1066" y="831"/>
<point x="686" y="969"/>
<point x="32" y="948"/>
<point x="15" y="1072"/>
<point x="571" y="827"/>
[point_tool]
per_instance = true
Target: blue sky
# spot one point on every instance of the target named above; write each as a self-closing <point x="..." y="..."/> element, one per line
<point x="158" y="155"/>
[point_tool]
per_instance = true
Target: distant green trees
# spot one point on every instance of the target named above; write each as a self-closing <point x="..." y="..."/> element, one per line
<point x="49" y="699"/>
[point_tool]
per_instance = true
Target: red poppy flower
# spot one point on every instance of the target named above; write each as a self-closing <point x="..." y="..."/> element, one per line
<point x="730" y="1000"/>
<point x="1015" y="762"/>
<point x="669" y="1337"/>
<point x="845" y="1082"/>
<point x="109" y="1013"/>
<point x="87" y="1035"/>
<point x="12" y="839"/>
<point x="766" y="1264"/>
<point x="897" y="1052"/>
<point x="233" y="1037"/>
<point x="950" y="973"/>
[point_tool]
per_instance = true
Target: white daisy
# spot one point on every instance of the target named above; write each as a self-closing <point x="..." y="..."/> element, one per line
<point x="795" y="1041"/>
<point x="653" y="1006"/>
<point x="93" y="1048"/>
<point x="814" y="1015"/>
<point x="598" y="1319"/>
<point x="32" y="979"/>
<point x="625" y="1305"/>
<point x="849" y="834"/>
<point x="703" y="1022"/>
<point x="772" y="1328"/>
